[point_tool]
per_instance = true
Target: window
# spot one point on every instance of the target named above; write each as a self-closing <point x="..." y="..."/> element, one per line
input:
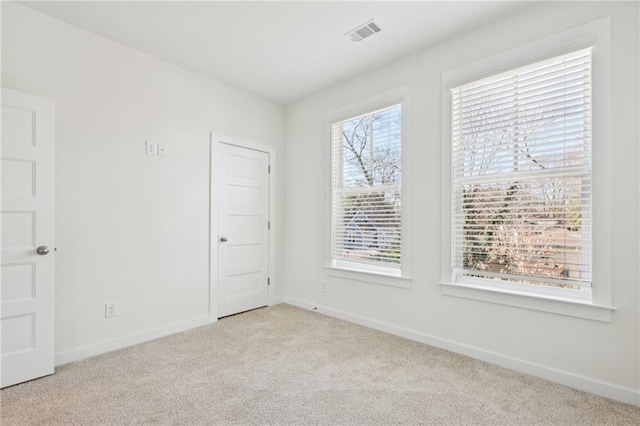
<point x="521" y="178"/>
<point x="366" y="218"/>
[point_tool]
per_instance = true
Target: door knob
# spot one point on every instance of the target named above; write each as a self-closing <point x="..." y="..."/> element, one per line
<point x="223" y="239"/>
<point x="42" y="250"/>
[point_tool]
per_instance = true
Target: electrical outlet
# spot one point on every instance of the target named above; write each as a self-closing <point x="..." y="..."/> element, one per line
<point x="111" y="310"/>
<point x="325" y="287"/>
<point x="162" y="150"/>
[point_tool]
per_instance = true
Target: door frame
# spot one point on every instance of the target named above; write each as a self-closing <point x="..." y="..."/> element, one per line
<point x="214" y="208"/>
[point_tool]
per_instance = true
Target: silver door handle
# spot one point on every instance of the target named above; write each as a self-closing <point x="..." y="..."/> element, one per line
<point x="223" y="239"/>
<point x="42" y="250"/>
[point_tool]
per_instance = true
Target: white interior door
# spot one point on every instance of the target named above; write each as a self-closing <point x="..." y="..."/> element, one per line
<point x="243" y="240"/>
<point x="27" y="269"/>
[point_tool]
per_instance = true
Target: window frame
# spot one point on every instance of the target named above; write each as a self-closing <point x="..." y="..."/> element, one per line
<point x="597" y="307"/>
<point x="396" y="277"/>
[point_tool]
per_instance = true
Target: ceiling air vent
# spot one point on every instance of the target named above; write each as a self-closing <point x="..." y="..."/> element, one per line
<point x="363" y="31"/>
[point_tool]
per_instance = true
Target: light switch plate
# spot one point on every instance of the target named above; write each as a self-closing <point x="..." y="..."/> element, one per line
<point x="152" y="148"/>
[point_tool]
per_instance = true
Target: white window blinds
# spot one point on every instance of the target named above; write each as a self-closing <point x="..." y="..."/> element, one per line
<point x="522" y="174"/>
<point x="366" y="172"/>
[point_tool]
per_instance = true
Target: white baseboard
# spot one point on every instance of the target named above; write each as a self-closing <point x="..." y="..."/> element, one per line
<point x="585" y="384"/>
<point x="130" y="340"/>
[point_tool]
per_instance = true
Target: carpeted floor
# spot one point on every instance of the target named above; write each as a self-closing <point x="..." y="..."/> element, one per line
<point x="284" y="365"/>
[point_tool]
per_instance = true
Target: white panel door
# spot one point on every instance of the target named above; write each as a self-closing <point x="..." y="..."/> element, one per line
<point x="27" y="248"/>
<point x="243" y="241"/>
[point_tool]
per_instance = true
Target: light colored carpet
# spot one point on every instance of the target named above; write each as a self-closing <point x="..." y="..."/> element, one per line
<point x="284" y="365"/>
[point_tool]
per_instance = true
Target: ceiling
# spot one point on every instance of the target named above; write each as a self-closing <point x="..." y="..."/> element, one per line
<point x="281" y="51"/>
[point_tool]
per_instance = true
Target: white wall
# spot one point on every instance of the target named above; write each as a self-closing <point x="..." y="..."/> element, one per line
<point x="597" y="356"/>
<point x="130" y="228"/>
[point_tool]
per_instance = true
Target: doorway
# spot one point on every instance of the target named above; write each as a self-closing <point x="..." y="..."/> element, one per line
<point x="241" y="226"/>
<point x="27" y="249"/>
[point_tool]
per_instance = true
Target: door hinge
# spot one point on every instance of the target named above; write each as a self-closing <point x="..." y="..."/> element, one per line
<point x="268" y="225"/>
<point x="268" y="281"/>
<point x="268" y="169"/>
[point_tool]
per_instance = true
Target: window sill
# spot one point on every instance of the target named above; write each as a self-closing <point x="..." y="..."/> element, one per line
<point x="369" y="276"/>
<point x="534" y="302"/>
